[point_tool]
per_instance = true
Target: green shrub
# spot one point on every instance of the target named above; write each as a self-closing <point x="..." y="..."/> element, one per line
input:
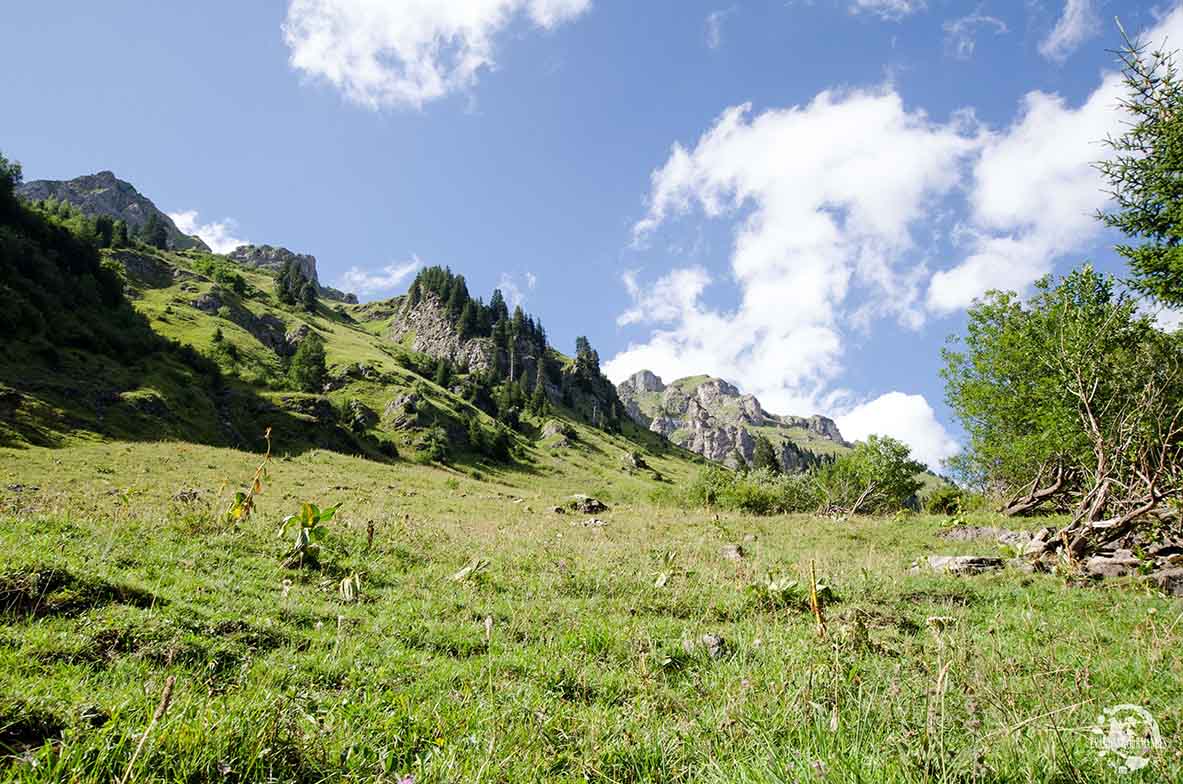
<point x="878" y="476"/>
<point x="945" y="500"/>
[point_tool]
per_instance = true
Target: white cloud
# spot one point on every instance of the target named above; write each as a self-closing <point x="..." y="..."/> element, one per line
<point x="1076" y="25"/>
<point x="714" y="27"/>
<point x="1035" y="191"/>
<point x="1034" y="195"/>
<point x="889" y="10"/>
<point x="512" y="291"/>
<point x="960" y="33"/>
<point x="217" y="235"/>
<point x="908" y="418"/>
<point x="823" y="197"/>
<point x="824" y="200"/>
<point x="383" y="281"/>
<point x="384" y="53"/>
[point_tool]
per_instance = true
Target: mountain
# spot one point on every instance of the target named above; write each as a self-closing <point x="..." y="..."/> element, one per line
<point x="711" y="417"/>
<point x="273" y="258"/>
<point x="106" y="194"/>
<point x="138" y="343"/>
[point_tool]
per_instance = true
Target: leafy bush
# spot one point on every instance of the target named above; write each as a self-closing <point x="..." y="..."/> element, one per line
<point x="761" y="492"/>
<point x="876" y="477"/>
<point x="945" y="500"/>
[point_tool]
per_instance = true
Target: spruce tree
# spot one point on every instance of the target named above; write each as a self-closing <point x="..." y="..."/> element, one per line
<point x="307" y="371"/>
<point x="538" y="400"/>
<point x="764" y="456"/>
<point x="1143" y="174"/>
<point x="119" y="238"/>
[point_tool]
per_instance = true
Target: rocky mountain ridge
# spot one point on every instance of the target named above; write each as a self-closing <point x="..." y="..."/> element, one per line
<point x="274" y="258"/>
<point x="712" y="417"/>
<point x="105" y="194"/>
<point x="427" y="327"/>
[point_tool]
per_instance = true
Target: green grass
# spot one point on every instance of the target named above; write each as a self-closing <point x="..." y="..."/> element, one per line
<point x="588" y="671"/>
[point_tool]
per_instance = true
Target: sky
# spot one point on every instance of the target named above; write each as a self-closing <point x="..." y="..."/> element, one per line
<point x="802" y="197"/>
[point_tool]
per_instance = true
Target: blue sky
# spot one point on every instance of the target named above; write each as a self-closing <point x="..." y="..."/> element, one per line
<point x="799" y="196"/>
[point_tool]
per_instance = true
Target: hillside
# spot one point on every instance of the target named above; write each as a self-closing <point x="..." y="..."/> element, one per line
<point x="193" y="346"/>
<point x="711" y="417"/>
<point x="107" y="195"/>
<point x="460" y="609"/>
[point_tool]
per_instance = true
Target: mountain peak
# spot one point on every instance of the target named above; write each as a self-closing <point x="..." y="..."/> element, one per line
<point x="103" y="193"/>
<point x="711" y="416"/>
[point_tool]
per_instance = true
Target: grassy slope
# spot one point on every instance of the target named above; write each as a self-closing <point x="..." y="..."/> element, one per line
<point x="584" y="675"/>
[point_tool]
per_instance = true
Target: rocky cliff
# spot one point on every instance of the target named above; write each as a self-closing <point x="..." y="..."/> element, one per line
<point x="274" y="258"/>
<point x="713" y="418"/>
<point x="106" y="194"/>
<point x="428" y="328"/>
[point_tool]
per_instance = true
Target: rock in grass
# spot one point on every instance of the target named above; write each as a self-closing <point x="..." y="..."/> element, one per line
<point x="1119" y="564"/>
<point x="716" y="646"/>
<point x="1169" y="581"/>
<point x="732" y="552"/>
<point x="971" y="533"/>
<point x="958" y="564"/>
<point x="586" y="504"/>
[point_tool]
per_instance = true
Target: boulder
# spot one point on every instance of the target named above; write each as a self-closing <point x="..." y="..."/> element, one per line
<point x="958" y="564"/>
<point x="1117" y="564"/>
<point x="586" y="504"/>
<point x="732" y="552"/>
<point x="1169" y="581"/>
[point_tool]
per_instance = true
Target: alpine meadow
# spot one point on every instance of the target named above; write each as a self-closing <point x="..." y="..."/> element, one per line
<point x="360" y="516"/>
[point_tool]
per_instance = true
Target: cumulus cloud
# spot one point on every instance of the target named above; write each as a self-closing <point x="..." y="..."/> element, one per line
<point x="1034" y="195"/>
<point x="387" y="53"/>
<point x="1076" y="25"/>
<point x="908" y="418"/>
<point x="837" y="210"/>
<point x="889" y="10"/>
<point x="960" y="34"/>
<point x="218" y="235"/>
<point x="382" y="281"/>
<point x="823" y="197"/>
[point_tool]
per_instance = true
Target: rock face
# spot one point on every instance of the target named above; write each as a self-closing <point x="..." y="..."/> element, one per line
<point x="274" y="258"/>
<point x="106" y="194"/>
<point x="431" y="331"/>
<point x="713" y="418"/>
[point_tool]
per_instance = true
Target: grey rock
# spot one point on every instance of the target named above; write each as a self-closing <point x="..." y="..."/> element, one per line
<point x="586" y="504"/>
<point x="958" y="564"/>
<point x="209" y="302"/>
<point x="273" y="258"/>
<point x="643" y="381"/>
<point x="106" y="194"/>
<point x="712" y="417"/>
<point x="148" y="270"/>
<point x="1021" y="565"/>
<point x="972" y="533"/>
<point x="1118" y="564"/>
<point x="1169" y="581"/>
<point x="432" y="332"/>
<point x="556" y="428"/>
<point x="733" y="552"/>
<point x="716" y="646"/>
